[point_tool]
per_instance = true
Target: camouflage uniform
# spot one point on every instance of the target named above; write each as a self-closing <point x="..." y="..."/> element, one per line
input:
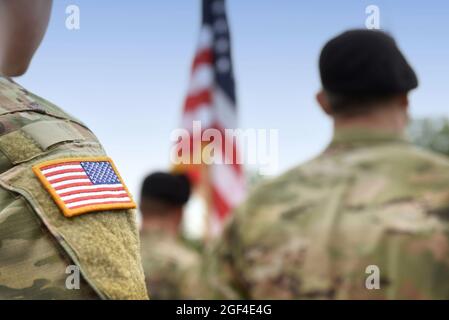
<point x="171" y="267"/>
<point x="369" y="199"/>
<point x="37" y="242"/>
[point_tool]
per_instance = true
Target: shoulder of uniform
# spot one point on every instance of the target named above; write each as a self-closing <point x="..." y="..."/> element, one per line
<point x="29" y="136"/>
<point x="14" y="98"/>
<point x="273" y="193"/>
<point x="168" y="250"/>
<point x="309" y="175"/>
<point x="429" y="156"/>
<point x="7" y="85"/>
<point x="425" y="165"/>
<point x="398" y="150"/>
<point x="31" y="127"/>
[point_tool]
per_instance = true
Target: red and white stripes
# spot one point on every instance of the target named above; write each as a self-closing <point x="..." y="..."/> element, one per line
<point x="76" y="190"/>
<point x="208" y="103"/>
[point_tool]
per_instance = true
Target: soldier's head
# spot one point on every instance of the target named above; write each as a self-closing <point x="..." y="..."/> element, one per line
<point x="365" y="80"/>
<point x="22" y="26"/>
<point x="162" y="199"/>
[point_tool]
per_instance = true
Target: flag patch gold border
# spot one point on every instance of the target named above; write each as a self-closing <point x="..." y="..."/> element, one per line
<point x="68" y="212"/>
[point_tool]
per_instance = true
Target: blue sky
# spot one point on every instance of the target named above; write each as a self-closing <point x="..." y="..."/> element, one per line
<point x="125" y="72"/>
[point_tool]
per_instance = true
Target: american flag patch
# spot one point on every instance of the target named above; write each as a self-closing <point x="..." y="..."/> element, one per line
<point x="84" y="185"/>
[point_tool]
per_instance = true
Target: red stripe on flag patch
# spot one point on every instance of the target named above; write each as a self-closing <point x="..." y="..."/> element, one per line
<point x="55" y="173"/>
<point x="80" y="192"/>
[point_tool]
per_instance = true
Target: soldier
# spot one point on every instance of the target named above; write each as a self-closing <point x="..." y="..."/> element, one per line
<point x="67" y="228"/>
<point x="366" y="219"/>
<point x="170" y="266"/>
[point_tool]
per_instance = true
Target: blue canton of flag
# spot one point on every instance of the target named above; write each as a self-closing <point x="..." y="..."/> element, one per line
<point x="100" y="172"/>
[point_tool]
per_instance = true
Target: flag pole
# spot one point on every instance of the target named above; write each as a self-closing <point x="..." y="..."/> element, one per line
<point x="207" y="194"/>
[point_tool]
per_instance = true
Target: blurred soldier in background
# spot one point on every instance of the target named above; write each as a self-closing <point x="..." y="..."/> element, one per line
<point x="171" y="267"/>
<point x="365" y="219"/>
<point x="66" y="228"/>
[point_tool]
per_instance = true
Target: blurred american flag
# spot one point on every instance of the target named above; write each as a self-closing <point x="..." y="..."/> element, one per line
<point x="211" y="99"/>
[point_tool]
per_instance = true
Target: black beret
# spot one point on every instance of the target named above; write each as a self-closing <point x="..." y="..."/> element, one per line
<point x="365" y="62"/>
<point x="168" y="188"/>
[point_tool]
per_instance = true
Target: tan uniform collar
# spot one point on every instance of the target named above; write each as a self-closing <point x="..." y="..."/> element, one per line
<point x="154" y="233"/>
<point x="358" y="137"/>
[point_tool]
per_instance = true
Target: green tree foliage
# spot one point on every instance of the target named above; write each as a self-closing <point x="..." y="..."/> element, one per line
<point x="431" y="133"/>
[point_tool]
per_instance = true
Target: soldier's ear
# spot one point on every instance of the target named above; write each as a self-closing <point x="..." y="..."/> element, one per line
<point x="323" y="101"/>
<point x="403" y="101"/>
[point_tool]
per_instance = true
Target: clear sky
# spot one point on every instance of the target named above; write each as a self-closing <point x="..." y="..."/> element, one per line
<point x="125" y="72"/>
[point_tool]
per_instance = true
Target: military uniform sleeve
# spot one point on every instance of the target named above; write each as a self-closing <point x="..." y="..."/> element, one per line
<point x="259" y="255"/>
<point x="411" y="265"/>
<point x="32" y="266"/>
<point x="422" y="269"/>
<point x="56" y="168"/>
<point x="220" y="264"/>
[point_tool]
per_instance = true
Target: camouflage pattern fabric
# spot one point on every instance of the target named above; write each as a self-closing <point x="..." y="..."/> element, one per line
<point x="369" y="200"/>
<point x="37" y="243"/>
<point x="171" y="268"/>
<point x="32" y="264"/>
